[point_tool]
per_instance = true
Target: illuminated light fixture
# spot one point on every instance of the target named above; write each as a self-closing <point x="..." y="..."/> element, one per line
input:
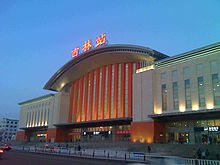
<point x="142" y="140"/>
<point x="158" y="111"/>
<point x="182" y="108"/>
<point x="62" y="85"/>
<point x="195" y="107"/>
<point x="209" y="106"/>
<point x="134" y="140"/>
<point x="145" y="69"/>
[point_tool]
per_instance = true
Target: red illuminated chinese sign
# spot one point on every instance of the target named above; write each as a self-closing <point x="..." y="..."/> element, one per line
<point x="100" y="41"/>
<point x="75" y="52"/>
<point x="87" y="46"/>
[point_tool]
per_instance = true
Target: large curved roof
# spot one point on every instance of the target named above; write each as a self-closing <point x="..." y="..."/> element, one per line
<point x="95" y="58"/>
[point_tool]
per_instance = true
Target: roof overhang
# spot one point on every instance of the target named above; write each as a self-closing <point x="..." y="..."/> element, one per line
<point x="95" y="123"/>
<point x="187" y="115"/>
<point x="34" y="128"/>
<point x="95" y="58"/>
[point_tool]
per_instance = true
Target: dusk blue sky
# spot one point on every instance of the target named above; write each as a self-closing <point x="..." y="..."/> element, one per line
<point x="36" y="36"/>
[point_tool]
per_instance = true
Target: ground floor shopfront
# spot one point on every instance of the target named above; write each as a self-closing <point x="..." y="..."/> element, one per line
<point x="100" y="133"/>
<point x="193" y="131"/>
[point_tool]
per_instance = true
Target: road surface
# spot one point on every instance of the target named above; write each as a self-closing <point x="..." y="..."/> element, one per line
<point x="23" y="158"/>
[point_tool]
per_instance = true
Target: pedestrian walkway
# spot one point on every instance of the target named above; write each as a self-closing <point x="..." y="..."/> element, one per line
<point x="110" y="154"/>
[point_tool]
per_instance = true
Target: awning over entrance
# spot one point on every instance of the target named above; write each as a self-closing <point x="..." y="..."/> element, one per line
<point x="187" y="115"/>
<point x="95" y="123"/>
<point x="34" y="128"/>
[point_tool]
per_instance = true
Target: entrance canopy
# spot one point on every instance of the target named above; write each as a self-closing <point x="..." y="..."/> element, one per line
<point x="187" y="115"/>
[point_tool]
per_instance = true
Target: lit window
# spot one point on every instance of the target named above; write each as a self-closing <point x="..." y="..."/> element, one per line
<point x="175" y="96"/>
<point x="216" y="89"/>
<point x="187" y="94"/>
<point x="174" y="74"/>
<point x="163" y="76"/>
<point x="186" y="71"/>
<point x="164" y="97"/>
<point x="201" y="92"/>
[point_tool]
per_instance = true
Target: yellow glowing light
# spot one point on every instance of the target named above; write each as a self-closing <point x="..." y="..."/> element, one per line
<point x="210" y="106"/>
<point x="142" y="140"/>
<point x="195" y="107"/>
<point x="149" y="140"/>
<point x="182" y="108"/>
<point x="158" y="111"/>
<point x="134" y="140"/>
<point x="145" y="69"/>
<point x="62" y="85"/>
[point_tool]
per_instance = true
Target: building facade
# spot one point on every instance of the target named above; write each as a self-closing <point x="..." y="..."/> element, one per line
<point x="182" y="95"/>
<point x="8" y="128"/>
<point x="129" y="93"/>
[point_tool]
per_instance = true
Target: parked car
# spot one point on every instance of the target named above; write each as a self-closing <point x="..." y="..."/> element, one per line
<point x="1" y="152"/>
<point x="6" y="147"/>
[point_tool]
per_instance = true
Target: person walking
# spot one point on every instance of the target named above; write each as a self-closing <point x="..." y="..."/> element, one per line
<point x="149" y="149"/>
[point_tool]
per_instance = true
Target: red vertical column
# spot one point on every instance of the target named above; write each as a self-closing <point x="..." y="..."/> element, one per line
<point x="71" y="103"/>
<point x="122" y="92"/>
<point x="115" y="102"/>
<point x="79" y="117"/>
<point x="130" y="89"/>
<point x="86" y="96"/>
<point x="76" y="101"/>
<point x="137" y="65"/>
<point x="97" y="94"/>
<point x="109" y="92"/>
<point x="102" y="104"/>
<point x="91" y="94"/>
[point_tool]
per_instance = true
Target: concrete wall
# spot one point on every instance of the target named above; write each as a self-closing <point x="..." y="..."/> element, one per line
<point x="143" y="101"/>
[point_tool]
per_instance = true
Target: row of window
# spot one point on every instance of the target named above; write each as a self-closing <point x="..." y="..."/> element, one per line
<point x="10" y="122"/>
<point x="15" y="126"/>
<point x="188" y="100"/>
<point x="187" y="71"/>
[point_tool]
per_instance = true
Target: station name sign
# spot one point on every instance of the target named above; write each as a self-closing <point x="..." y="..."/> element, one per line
<point x="100" y="41"/>
<point x="211" y="129"/>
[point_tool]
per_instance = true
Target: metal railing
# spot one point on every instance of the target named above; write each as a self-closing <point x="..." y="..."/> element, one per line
<point x="114" y="155"/>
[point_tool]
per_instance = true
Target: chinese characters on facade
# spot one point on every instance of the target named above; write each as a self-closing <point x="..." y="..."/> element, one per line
<point x="101" y="40"/>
